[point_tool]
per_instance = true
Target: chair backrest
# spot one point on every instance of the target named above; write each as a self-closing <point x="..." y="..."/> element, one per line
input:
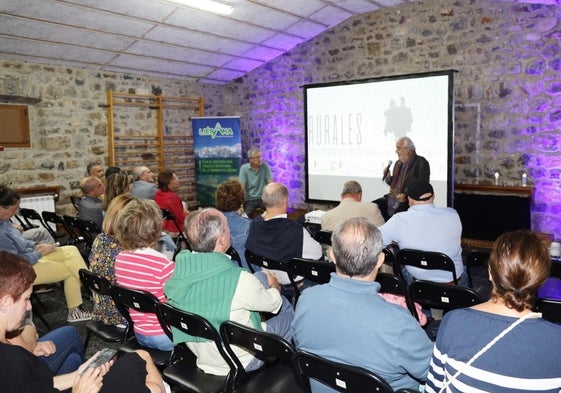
<point x="168" y="215"/>
<point x="425" y="260"/>
<point x="194" y="325"/>
<point x="323" y="237"/>
<point x="234" y="255"/>
<point x="267" y="263"/>
<point x="550" y="309"/>
<point x="265" y="346"/>
<point x="87" y="228"/>
<point x="317" y="271"/>
<point x="75" y="202"/>
<point x="391" y="284"/>
<point x="442" y="296"/>
<point x="339" y="376"/>
<point x="95" y="282"/>
<point x="28" y="215"/>
<point x="58" y="222"/>
<point x="136" y="299"/>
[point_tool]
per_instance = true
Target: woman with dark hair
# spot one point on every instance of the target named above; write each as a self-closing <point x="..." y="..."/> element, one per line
<point x="22" y="371"/>
<point x="166" y="197"/>
<point x="501" y="345"/>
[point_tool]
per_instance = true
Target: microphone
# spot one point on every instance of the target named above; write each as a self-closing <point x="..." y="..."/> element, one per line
<point x="390" y="162"/>
<point x="386" y="171"/>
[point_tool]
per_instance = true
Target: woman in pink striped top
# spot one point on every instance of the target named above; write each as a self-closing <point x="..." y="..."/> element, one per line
<point x="140" y="266"/>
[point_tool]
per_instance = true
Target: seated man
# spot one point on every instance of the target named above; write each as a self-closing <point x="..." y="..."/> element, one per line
<point x="50" y="262"/>
<point x="351" y="206"/>
<point x="95" y="169"/>
<point x="426" y="227"/>
<point x="143" y="186"/>
<point x="90" y="206"/>
<point x="274" y="236"/>
<point x="207" y="283"/>
<point x="346" y="321"/>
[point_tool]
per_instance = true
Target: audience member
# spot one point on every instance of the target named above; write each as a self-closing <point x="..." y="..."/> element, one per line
<point x="254" y="176"/>
<point x="140" y="266"/>
<point x="351" y="206"/>
<point x="274" y="236"/>
<point x="230" y="198"/>
<point x="50" y="262"/>
<point x="501" y="345"/>
<point x="90" y="205"/>
<point x="408" y="168"/>
<point x="166" y="197"/>
<point x="105" y="249"/>
<point x="143" y="186"/>
<point x="111" y="170"/>
<point x="61" y="349"/>
<point x="117" y="184"/>
<point x="378" y="335"/>
<point x="95" y="169"/>
<point x="22" y="371"/>
<point x="206" y="283"/>
<point x="426" y="227"/>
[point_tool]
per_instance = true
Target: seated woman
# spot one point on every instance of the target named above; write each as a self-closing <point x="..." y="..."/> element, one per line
<point x="140" y="266"/>
<point x="501" y="345"/>
<point x="22" y="371"/>
<point x="117" y="184"/>
<point x="51" y="263"/>
<point x="166" y="197"/>
<point x="105" y="249"/>
<point x="230" y="198"/>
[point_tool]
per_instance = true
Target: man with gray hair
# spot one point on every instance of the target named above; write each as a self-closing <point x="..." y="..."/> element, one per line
<point x="347" y="321"/>
<point x="409" y="168"/>
<point x="143" y="186"/>
<point x="90" y="205"/>
<point x="254" y="176"/>
<point x="351" y="206"/>
<point x="206" y="282"/>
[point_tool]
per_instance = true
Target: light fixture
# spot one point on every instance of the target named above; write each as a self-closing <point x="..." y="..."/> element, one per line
<point x="205" y="5"/>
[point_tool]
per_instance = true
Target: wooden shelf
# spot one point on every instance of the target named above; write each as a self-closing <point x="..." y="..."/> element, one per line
<point x="494" y="189"/>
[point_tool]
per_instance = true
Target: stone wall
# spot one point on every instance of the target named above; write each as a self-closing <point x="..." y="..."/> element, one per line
<point x="69" y="128"/>
<point x="508" y="61"/>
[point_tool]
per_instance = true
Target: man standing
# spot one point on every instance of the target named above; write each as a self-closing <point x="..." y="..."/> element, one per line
<point x="207" y="283"/>
<point x="143" y="186"/>
<point x="347" y="321"/>
<point x="426" y="227"/>
<point x="90" y="206"/>
<point x="351" y="206"/>
<point x="274" y="236"/>
<point x="408" y="168"/>
<point x="254" y="176"/>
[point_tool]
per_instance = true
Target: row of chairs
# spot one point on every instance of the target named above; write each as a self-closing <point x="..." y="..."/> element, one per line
<point x="66" y="229"/>
<point x="286" y="370"/>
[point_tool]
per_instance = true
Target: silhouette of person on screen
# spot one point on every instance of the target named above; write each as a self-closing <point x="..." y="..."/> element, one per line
<point x="398" y="119"/>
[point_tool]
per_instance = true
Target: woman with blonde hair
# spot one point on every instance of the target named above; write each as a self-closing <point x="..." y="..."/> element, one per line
<point x="117" y="184"/>
<point x="140" y="266"/>
<point x="501" y="345"/>
<point x="105" y="249"/>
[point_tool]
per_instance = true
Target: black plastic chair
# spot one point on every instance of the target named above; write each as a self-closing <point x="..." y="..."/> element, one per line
<point x="390" y="283"/>
<point x="141" y="301"/>
<point x="87" y="231"/>
<point x="271" y="264"/>
<point x="183" y="371"/>
<point x="234" y="256"/>
<point x="424" y="260"/>
<point x="274" y="350"/>
<point x="443" y="297"/>
<point x="338" y="376"/>
<point x="313" y="270"/>
<point x="550" y="309"/>
<point x="75" y="202"/>
<point x="323" y="237"/>
<point x="180" y="239"/>
<point x="64" y="236"/>
<point x="30" y="215"/>
<point x="110" y="333"/>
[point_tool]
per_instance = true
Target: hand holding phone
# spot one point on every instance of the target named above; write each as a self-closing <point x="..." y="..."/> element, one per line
<point x="102" y="357"/>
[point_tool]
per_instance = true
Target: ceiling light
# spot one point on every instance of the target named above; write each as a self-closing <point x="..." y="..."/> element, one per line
<point x="204" y="5"/>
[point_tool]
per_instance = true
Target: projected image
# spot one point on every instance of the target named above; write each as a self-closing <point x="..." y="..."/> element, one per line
<point x="352" y="129"/>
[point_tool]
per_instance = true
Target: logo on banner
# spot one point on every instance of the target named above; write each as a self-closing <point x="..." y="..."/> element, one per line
<point x="215" y="131"/>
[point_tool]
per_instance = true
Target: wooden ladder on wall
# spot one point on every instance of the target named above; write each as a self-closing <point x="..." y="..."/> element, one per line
<point x="160" y="141"/>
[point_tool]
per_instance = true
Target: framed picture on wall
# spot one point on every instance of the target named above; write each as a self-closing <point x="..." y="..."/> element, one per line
<point x="14" y="126"/>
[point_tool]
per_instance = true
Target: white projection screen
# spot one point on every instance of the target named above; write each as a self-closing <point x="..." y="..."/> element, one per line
<point x="352" y="128"/>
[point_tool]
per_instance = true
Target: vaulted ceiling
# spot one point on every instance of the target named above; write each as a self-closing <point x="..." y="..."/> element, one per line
<point x="155" y="38"/>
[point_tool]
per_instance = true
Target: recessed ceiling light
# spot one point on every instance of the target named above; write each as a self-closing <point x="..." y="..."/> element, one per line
<point x="204" y="5"/>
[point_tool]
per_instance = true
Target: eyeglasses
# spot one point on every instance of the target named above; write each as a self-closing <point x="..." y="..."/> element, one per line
<point x="259" y="156"/>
